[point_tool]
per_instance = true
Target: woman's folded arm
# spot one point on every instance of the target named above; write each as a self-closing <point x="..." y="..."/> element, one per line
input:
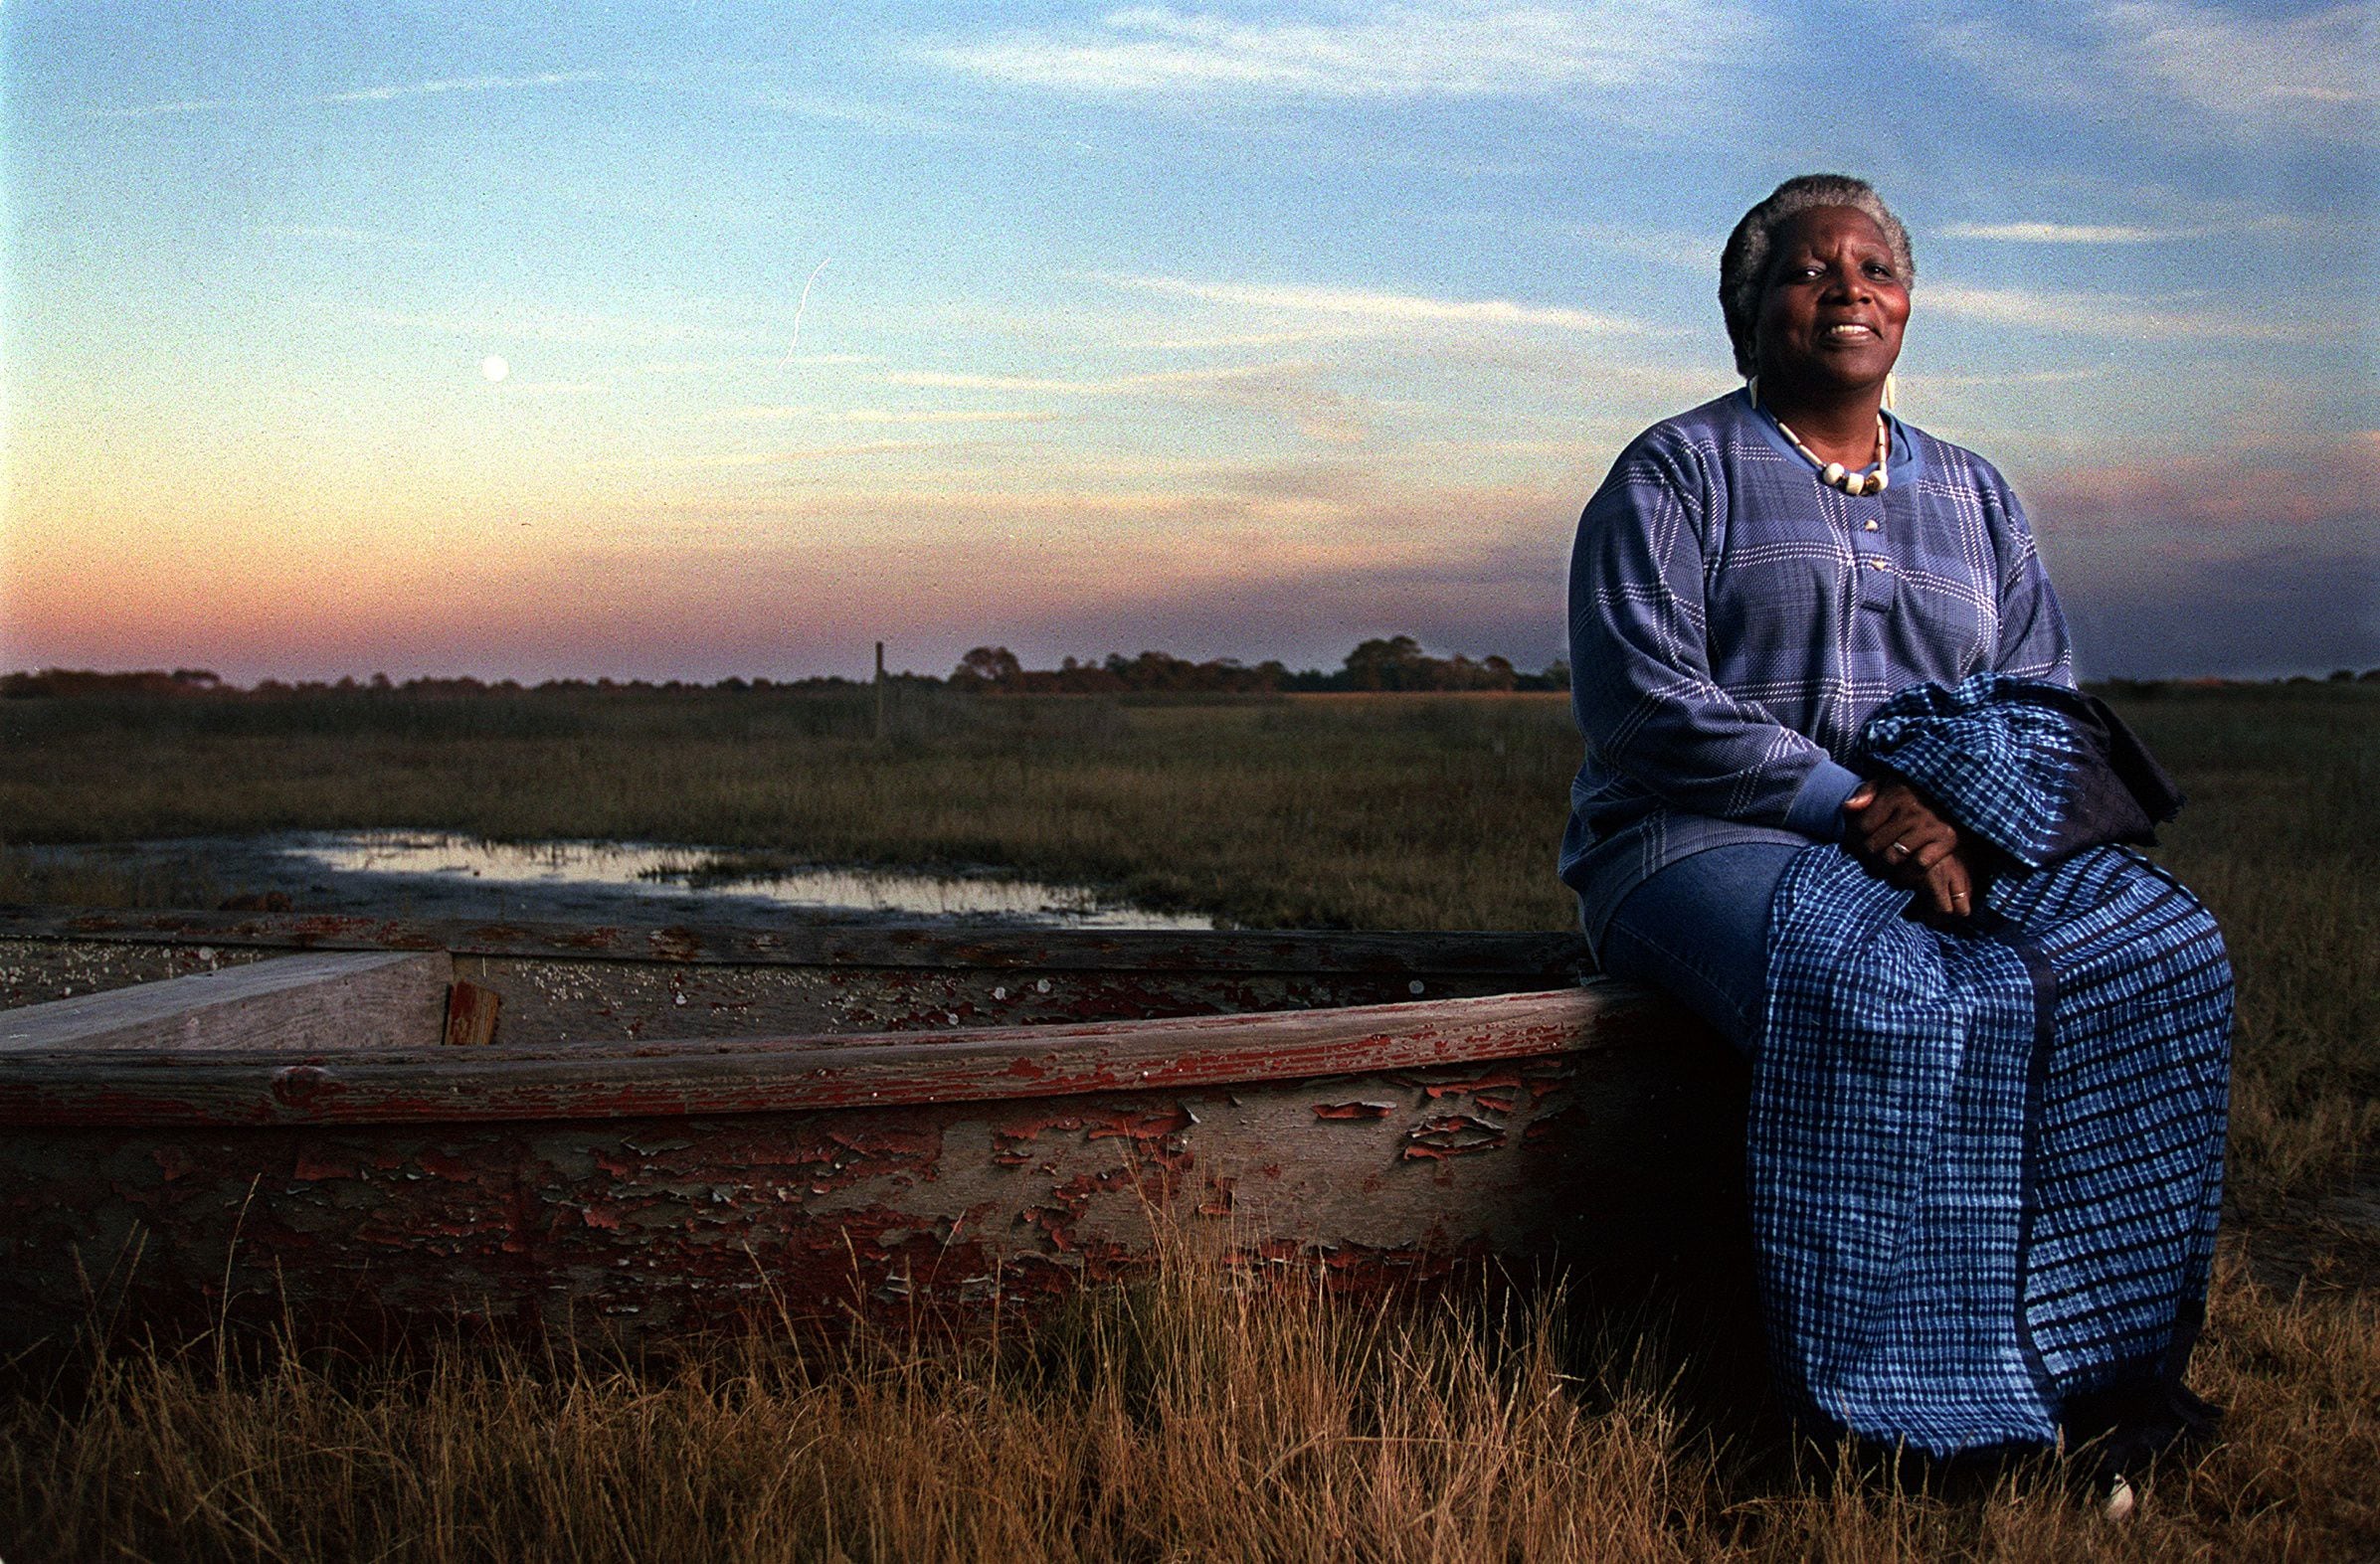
<point x="1640" y="676"/>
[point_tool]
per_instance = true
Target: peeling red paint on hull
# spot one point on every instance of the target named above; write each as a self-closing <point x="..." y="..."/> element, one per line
<point x="651" y="1191"/>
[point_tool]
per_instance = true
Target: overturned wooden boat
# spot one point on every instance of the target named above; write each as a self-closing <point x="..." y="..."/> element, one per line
<point x="215" y="1116"/>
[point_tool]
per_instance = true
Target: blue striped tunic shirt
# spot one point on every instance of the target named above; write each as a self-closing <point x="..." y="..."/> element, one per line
<point x="1733" y="620"/>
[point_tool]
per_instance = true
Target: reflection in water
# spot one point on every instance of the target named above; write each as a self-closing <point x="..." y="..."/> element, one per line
<point x="639" y="868"/>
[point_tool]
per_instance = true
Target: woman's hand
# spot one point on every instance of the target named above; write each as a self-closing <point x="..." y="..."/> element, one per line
<point x="1949" y="886"/>
<point x="1890" y="829"/>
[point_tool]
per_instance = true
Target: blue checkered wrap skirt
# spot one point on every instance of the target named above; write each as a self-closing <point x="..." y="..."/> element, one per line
<point x="1985" y="1160"/>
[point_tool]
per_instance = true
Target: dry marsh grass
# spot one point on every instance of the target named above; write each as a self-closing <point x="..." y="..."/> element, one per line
<point x="1181" y="1421"/>
<point x="1178" y="1420"/>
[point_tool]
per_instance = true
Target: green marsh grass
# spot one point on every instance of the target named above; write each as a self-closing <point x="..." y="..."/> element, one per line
<point x="1178" y="1420"/>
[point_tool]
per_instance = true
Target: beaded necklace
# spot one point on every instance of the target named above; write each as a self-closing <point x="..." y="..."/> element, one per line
<point x="1835" y="474"/>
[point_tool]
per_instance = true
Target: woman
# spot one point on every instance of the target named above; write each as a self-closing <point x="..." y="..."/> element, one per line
<point x="1823" y="680"/>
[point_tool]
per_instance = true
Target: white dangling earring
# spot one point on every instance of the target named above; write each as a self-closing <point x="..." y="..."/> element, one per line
<point x="1889" y="384"/>
<point x="1751" y="388"/>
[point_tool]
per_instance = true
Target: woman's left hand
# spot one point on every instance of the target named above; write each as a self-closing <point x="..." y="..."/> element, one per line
<point x="1949" y="886"/>
<point x="1890" y="826"/>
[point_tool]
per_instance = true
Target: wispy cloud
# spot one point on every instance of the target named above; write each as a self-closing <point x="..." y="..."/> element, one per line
<point x="2070" y="232"/>
<point x="2104" y="315"/>
<point x="545" y="323"/>
<point x="2250" y="561"/>
<point x="1289" y="336"/>
<point x="1662" y="247"/>
<point x="888" y="415"/>
<point x="2168" y="65"/>
<point x="2036" y="377"/>
<point x="379" y="93"/>
<point x="884" y="119"/>
<point x="1115" y="385"/>
<point x="1387" y="308"/>
<point x="1458" y="51"/>
<point x="2203" y="505"/>
<point x="462" y="84"/>
<point x="1290" y="393"/>
<point x="183" y="106"/>
<point x="764" y="459"/>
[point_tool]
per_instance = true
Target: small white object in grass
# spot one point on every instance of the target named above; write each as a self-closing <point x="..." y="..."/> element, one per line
<point x="2120" y="1500"/>
<point x="494" y="368"/>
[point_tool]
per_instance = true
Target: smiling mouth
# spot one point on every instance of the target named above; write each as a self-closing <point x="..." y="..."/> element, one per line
<point x="1849" y="331"/>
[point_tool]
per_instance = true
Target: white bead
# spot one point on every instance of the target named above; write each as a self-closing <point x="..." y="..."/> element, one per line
<point x="1876" y="483"/>
<point x="1835" y="474"/>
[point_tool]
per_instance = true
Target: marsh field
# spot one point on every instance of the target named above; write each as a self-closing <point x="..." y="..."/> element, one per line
<point x="1177" y="1420"/>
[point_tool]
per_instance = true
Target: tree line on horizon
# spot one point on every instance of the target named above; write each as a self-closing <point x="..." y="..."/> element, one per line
<point x="1396" y="662"/>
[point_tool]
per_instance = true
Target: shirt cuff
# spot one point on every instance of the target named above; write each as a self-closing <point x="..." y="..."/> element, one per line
<point x="1817" y="810"/>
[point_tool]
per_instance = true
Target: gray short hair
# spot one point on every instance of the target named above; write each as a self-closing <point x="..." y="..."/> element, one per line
<point x="1743" y="264"/>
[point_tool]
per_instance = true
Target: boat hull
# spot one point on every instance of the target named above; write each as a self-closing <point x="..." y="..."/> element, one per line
<point x="647" y="1190"/>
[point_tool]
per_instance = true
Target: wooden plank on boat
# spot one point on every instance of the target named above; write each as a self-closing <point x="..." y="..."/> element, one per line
<point x="555" y="1001"/>
<point x="346" y="1085"/>
<point x="1554" y="956"/>
<point x="370" y="999"/>
<point x="564" y="984"/>
<point x="470" y="1014"/>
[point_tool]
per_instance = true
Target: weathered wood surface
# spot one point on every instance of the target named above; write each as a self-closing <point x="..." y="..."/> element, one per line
<point x="652" y="1188"/>
<point x="654" y="1226"/>
<point x="826" y="945"/>
<point x="563" y="984"/>
<point x="337" y="1084"/>
<point x="367" y="999"/>
<point x="471" y="1013"/>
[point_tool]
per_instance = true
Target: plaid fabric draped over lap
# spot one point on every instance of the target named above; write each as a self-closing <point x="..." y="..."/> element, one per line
<point x="1985" y="1162"/>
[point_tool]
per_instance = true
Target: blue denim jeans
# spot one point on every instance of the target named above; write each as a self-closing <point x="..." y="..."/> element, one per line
<point x="1698" y="930"/>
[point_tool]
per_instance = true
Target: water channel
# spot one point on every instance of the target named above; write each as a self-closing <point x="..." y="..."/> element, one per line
<point x="433" y="874"/>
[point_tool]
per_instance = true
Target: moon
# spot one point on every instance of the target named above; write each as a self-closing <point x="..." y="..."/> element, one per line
<point x="494" y="368"/>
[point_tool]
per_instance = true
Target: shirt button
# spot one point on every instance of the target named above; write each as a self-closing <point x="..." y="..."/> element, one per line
<point x="1867" y="526"/>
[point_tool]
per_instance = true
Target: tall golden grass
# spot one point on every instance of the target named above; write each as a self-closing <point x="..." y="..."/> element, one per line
<point x="1177" y="1420"/>
<point x="1183" y="1418"/>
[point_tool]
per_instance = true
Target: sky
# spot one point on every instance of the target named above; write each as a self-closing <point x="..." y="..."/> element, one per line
<point x="718" y="339"/>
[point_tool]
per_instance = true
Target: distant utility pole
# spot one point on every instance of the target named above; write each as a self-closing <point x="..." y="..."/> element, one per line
<point x="879" y="692"/>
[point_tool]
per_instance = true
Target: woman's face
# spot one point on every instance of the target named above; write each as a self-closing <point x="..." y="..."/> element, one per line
<point x="1833" y="307"/>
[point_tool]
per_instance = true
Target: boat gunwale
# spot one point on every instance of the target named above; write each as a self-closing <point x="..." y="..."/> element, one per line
<point x="1552" y="956"/>
<point x="228" y="1088"/>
